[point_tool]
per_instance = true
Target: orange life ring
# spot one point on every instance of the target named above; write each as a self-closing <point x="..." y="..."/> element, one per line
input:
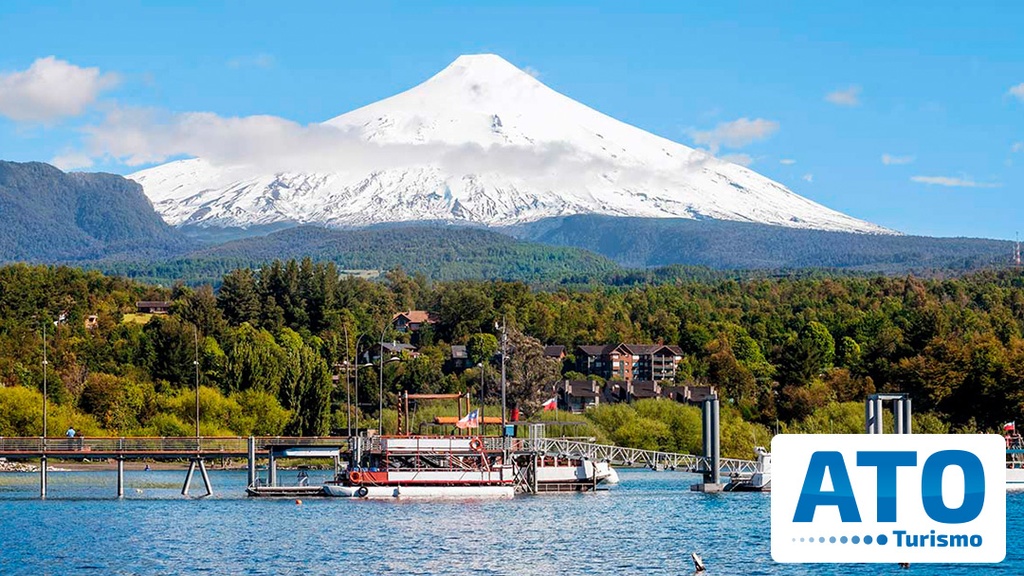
<point x="354" y="477"/>
<point x="476" y="444"/>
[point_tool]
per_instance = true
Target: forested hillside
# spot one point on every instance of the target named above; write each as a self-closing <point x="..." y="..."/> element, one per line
<point x="647" y="242"/>
<point x="788" y="353"/>
<point x="48" y="215"/>
<point x="442" y="252"/>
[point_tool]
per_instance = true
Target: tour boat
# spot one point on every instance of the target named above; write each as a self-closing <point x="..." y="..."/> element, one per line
<point x="1014" y="463"/>
<point x="555" y="474"/>
<point x="426" y="467"/>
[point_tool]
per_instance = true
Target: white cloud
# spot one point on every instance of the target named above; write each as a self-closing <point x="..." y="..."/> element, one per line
<point x="890" y="160"/>
<point x="787" y="161"/>
<point x="847" y="97"/>
<point x="735" y="134"/>
<point x="808" y="177"/>
<point x="953" y="182"/>
<point x="254" y="61"/>
<point x="137" y="136"/>
<point x="51" y="89"/>
<point x="71" y="161"/>
<point x="741" y="159"/>
<point x="1017" y="147"/>
<point x="532" y="71"/>
<point x="1018" y="91"/>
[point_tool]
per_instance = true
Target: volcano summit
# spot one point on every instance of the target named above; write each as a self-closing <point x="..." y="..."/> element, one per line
<point x="484" y="143"/>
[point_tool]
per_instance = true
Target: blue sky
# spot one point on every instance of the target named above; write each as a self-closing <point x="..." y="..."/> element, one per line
<point x="937" y="87"/>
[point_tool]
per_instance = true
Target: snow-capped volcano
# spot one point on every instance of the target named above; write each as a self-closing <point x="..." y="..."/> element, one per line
<point x="480" y="142"/>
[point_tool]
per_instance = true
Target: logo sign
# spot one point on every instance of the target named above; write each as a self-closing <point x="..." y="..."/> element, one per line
<point x="888" y="498"/>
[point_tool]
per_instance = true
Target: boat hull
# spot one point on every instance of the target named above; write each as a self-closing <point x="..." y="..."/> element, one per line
<point x="418" y="492"/>
<point x="1015" y="479"/>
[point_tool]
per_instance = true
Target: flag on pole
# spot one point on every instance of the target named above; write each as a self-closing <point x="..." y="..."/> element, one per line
<point x="471" y="420"/>
<point x="1010" y="426"/>
<point x="550" y="404"/>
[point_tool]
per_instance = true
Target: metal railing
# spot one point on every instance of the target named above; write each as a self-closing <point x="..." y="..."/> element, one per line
<point x="634" y="456"/>
<point x="209" y="445"/>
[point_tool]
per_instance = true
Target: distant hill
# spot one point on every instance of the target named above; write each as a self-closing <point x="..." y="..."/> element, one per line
<point x="47" y="215"/>
<point x="652" y="242"/>
<point x="439" y="252"/>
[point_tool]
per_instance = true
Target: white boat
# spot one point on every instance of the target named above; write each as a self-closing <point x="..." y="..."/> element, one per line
<point x="1014" y="463"/>
<point x="427" y="467"/>
<point x="566" y="474"/>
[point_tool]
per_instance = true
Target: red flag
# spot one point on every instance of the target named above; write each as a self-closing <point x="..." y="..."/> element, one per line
<point x="551" y="404"/>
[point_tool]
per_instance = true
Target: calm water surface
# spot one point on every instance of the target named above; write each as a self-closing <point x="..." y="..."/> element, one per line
<point x="647" y="525"/>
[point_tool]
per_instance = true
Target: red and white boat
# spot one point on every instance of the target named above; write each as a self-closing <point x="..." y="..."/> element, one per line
<point x="427" y="467"/>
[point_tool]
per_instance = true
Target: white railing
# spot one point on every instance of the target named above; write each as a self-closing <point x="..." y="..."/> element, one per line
<point x="636" y="457"/>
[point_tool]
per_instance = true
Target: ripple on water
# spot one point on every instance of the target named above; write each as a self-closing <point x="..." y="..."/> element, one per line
<point x="648" y="524"/>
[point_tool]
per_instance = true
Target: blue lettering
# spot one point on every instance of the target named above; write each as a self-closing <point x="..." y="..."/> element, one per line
<point x="974" y="486"/>
<point x="841" y="496"/>
<point x="886" y="463"/>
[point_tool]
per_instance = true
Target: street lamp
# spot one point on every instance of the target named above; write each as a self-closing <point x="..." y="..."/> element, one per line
<point x="481" y="367"/>
<point x="348" y="394"/>
<point x="46" y="363"/>
<point x="196" y="363"/>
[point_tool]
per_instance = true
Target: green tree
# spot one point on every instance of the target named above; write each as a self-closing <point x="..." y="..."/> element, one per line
<point x="481" y="347"/>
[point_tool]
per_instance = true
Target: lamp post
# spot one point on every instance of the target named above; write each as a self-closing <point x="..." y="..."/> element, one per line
<point x="196" y="363"/>
<point x="358" y="366"/>
<point x="504" y="352"/>
<point x="338" y="367"/>
<point x="481" y="367"/>
<point x="46" y="363"/>
<point x="380" y="393"/>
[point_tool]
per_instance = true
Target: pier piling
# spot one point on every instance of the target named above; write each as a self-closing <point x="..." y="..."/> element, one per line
<point x="42" y="478"/>
<point x="120" y="477"/>
<point x="188" y="477"/>
<point x="206" y="477"/>
<point x="251" y="454"/>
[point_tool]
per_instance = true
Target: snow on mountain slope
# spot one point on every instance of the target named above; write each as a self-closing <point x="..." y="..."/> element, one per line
<point x="482" y="142"/>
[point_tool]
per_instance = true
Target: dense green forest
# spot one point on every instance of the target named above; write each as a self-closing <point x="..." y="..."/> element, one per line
<point x="786" y="353"/>
<point x="723" y="244"/>
<point x="49" y="215"/>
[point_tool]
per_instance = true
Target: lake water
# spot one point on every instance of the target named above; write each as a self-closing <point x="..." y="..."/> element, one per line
<point x="647" y="525"/>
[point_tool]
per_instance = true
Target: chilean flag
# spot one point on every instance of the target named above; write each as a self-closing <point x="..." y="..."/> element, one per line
<point x="471" y="420"/>
<point x="1010" y="426"/>
<point x="551" y="404"/>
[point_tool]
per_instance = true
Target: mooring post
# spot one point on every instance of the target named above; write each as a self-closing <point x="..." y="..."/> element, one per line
<point x="715" y="443"/>
<point x="907" y="417"/>
<point x="897" y="416"/>
<point x="533" y="475"/>
<point x="869" y="416"/>
<point x="879" y="416"/>
<point x="188" y="476"/>
<point x="705" y="415"/>
<point x="120" y="476"/>
<point x="272" y="469"/>
<point x="42" y="478"/>
<point x="206" y="477"/>
<point x="251" y="454"/>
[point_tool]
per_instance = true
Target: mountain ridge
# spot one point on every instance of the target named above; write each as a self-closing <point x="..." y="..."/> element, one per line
<point x="49" y="215"/>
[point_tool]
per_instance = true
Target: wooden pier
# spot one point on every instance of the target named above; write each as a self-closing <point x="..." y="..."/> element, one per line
<point x="197" y="451"/>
